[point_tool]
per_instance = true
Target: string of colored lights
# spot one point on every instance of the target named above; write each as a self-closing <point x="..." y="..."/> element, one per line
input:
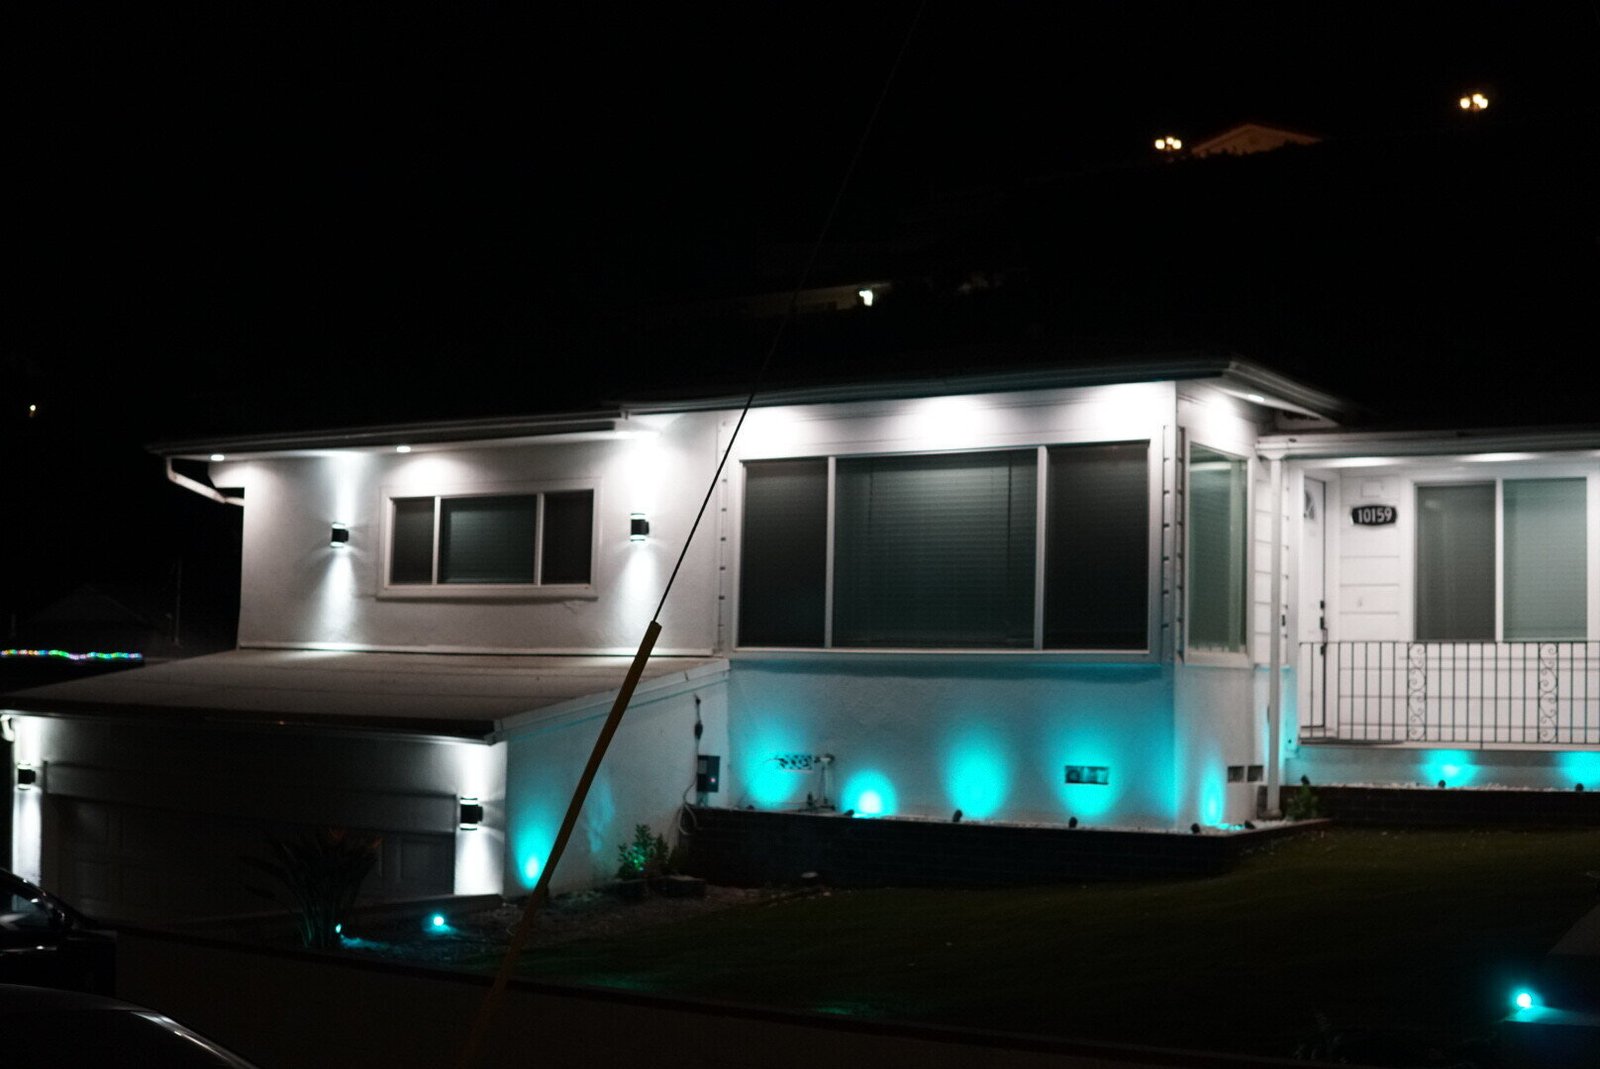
<point x="68" y="655"/>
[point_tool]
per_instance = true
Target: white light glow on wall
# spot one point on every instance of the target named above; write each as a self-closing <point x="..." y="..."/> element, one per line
<point x="480" y="851"/>
<point x="27" y="819"/>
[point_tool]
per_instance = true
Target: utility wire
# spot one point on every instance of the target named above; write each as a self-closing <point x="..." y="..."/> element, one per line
<point x="492" y="999"/>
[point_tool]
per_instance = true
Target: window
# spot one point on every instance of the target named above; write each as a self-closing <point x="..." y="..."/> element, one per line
<point x="1217" y="543"/>
<point x="941" y="551"/>
<point x="1540" y="557"/>
<point x="491" y="540"/>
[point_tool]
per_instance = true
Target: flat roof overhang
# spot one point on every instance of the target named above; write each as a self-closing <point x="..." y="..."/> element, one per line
<point x="455" y="696"/>
<point x="1347" y="445"/>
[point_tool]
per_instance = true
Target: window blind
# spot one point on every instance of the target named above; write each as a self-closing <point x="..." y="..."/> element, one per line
<point x="935" y="551"/>
<point x="783" y="559"/>
<point x="488" y="539"/>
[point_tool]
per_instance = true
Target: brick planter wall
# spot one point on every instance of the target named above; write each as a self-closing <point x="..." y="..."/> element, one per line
<point x="748" y="847"/>
<point x="1458" y="807"/>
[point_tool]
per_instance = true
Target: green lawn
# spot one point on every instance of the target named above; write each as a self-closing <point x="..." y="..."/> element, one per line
<point x="1415" y="931"/>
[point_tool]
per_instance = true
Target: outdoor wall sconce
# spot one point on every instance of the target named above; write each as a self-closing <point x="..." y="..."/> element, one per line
<point x="338" y="535"/>
<point x="638" y="527"/>
<point x="27" y="776"/>
<point x="471" y="814"/>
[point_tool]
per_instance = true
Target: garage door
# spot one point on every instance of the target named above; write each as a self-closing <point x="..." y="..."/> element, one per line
<point x="135" y="863"/>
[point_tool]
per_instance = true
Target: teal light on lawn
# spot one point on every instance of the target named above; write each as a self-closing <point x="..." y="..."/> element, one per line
<point x="1523" y="999"/>
<point x="977" y="774"/>
<point x="870" y="794"/>
<point x="436" y="922"/>
<point x="1453" y="767"/>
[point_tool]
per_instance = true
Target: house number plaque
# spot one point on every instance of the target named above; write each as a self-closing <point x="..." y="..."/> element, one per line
<point x="1372" y="515"/>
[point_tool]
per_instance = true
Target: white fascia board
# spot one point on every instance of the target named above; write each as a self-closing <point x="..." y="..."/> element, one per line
<point x="1341" y="445"/>
<point x="578" y="426"/>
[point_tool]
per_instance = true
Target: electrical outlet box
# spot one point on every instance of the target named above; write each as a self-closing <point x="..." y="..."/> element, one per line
<point x="1098" y="775"/>
<point x="708" y="773"/>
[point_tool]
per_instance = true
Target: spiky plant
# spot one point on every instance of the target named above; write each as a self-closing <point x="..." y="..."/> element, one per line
<point x="317" y="875"/>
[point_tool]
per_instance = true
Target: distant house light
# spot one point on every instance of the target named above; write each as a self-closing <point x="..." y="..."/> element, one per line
<point x="1169" y="144"/>
<point x="865" y="297"/>
<point x="1474" y="101"/>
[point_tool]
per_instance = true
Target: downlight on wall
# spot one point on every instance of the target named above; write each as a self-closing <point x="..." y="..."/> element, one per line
<point x="638" y="527"/>
<point x="339" y="535"/>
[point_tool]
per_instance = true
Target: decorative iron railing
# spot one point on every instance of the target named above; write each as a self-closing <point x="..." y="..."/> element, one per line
<point x="1471" y="693"/>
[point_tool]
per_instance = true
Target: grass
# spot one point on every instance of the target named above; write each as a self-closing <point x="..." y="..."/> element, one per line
<point x="1420" y="934"/>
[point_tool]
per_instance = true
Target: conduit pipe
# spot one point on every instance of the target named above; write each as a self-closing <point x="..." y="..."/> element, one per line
<point x="1275" y="680"/>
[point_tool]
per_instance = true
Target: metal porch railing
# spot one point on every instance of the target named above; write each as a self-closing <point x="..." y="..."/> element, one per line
<point x="1464" y="693"/>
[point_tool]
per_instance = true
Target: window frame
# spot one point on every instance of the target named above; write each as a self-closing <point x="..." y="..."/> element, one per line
<point x="1498" y="478"/>
<point x="1243" y="654"/>
<point x="1149" y="653"/>
<point x="537" y="590"/>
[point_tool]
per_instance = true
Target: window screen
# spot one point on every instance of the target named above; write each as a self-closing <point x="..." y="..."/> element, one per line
<point x="1216" y="566"/>
<point x="935" y="550"/>
<point x="1546" y="566"/>
<point x="1097" y="547"/>
<point x="783" y="562"/>
<point x="1455" y="562"/>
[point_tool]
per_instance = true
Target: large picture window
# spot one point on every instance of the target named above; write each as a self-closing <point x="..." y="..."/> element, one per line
<point x="491" y="540"/>
<point x="1539" y="555"/>
<point x="944" y="551"/>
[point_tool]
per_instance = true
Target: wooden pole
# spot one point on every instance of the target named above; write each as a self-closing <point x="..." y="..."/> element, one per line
<point x="541" y="890"/>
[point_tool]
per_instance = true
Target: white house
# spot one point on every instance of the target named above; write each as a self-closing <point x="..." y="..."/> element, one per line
<point x="1030" y="597"/>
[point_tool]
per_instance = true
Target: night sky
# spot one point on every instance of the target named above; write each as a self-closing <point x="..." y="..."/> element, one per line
<point x="229" y="217"/>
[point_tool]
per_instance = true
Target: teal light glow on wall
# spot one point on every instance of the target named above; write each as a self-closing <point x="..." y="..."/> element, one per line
<point x="1454" y="767"/>
<point x="1085" y="745"/>
<point x="531" y="840"/>
<point x="1580" y="766"/>
<point x="1213" y="796"/>
<point x="870" y="794"/>
<point x="977" y="774"/>
<point x="767" y="782"/>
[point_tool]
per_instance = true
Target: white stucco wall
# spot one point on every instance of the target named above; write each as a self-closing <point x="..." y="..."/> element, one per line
<point x="299" y="591"/>
<point x="647" y="775"/>
<point x="931" y="734"/>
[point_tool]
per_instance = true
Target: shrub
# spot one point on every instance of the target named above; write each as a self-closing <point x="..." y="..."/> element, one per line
<point x="646" y="856"/>
<point x="317" y="876"/>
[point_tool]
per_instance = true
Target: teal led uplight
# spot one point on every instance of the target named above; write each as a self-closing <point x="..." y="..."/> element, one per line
<point x="1580" y="766"/>
<point x="977" y="775"/>
<point x="531" y="869"/>
<point x="870" y="794"/>
<point x="436" y="922"/>
<point x="1523" y="999"/>
<point x="1454" y="767"/>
